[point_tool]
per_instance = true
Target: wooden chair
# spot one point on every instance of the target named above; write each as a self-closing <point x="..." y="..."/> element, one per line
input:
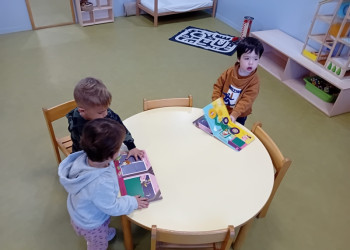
<point x="218" y="239"/>
<point x="281" y="165"/>
<point x="53" y="114"/>
<point x="170" y="102"/>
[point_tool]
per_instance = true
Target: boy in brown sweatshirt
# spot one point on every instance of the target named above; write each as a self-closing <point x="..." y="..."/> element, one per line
<point x="239" y="84"/>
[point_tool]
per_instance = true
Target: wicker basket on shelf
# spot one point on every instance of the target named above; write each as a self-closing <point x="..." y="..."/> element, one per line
<point x="86" y="6"/>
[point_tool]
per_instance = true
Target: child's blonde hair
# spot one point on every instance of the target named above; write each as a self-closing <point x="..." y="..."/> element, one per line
<point x="90" y="92"/>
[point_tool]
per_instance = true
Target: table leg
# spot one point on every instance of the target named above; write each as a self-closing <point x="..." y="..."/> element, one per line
<point x="127" y="233"/>
<point x="242" y="234"/>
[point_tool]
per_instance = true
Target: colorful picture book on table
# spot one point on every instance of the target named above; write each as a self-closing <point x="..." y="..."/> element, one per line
<point x="136" y="177"/>
<point x="216" y="121"/>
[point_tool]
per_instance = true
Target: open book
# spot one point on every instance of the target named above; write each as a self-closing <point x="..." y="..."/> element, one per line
<point x="136" y="177"/>
<point x="216" y="121"/>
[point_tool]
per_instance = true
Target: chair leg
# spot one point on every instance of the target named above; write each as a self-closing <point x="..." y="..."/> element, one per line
<point x="155" y="21"/>
<point x="214" y="8"/>
<point x="262" y="213"/>
<point x="127" y="233"/>
<point x="137" y="10"/>
<point x="242" y="234"/>
<point x="57" y="154"/>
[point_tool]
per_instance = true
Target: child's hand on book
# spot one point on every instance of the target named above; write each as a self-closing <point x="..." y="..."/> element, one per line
<point x="141" y="202"/>
<point x="136" y="153"/>
<point x="233" y="119"/>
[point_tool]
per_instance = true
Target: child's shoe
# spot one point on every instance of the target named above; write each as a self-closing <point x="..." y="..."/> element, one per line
<point x="111" y="233"/>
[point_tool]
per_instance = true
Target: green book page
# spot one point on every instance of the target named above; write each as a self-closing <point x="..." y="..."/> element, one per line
<point x="133" y="187"/>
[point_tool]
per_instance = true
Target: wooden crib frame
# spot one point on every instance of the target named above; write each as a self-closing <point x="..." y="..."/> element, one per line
<point x="155" y="13"/>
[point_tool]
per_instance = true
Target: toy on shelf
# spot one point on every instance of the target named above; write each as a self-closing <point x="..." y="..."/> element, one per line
<point x="314" y="55"/>
<point x="321" y="88"/>
<point x="343" y="9"/>
<point x="247" y="24"/>
<point x="86" y="6"/>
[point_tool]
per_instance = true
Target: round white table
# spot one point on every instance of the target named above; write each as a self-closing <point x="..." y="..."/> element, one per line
<point x="205" y="184"/>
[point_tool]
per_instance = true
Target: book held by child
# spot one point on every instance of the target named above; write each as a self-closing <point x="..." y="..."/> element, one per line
<point x="216" y="121"/>
<point x="136" y="177"/>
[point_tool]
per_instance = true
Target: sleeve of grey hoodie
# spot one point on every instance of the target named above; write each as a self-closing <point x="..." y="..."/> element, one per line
<point x="107" y="200"/>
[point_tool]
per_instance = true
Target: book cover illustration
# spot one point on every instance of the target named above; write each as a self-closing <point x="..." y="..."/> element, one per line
<point x="202" y="124"/>
<point x="221" y="126"/>
<point x="136" y="177"/>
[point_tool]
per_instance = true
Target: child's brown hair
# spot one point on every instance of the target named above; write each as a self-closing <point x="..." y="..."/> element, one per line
<point x="102" y="138"/>
<point x="90" y="92"/>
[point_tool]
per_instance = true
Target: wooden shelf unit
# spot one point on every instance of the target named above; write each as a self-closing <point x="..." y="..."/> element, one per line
<point x="283" y="59"/>
<point x="101" y="13"/>
<point x="330" y="45"/>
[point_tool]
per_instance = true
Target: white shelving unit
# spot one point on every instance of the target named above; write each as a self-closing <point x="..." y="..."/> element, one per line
<point x="101" y="13"/>
<point x="283" y="59"/>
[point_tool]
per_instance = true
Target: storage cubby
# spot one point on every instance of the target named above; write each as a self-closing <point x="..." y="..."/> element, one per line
<point x="102" y="12"/>
<point x="284" y="60"/>
<point x="274" y="60"/>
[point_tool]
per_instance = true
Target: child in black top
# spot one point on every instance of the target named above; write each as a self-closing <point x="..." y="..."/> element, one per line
<point x="93" y="100"/>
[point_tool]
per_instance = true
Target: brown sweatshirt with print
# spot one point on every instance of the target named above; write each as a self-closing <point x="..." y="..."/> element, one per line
<point x="249" y="86"/>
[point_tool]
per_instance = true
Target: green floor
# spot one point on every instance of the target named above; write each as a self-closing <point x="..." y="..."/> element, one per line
<point x="136" y="60"/>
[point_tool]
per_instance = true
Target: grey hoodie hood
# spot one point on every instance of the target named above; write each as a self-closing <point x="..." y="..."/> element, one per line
<point x="75" y="173"/>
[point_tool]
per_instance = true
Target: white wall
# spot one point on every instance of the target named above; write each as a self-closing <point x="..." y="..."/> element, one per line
<point x="13" y="16"/>
<point x="294" y="17"/>
<point x="291" y="16"/>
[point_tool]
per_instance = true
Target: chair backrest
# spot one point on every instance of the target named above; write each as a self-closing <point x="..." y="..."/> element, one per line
<point x="53" y="114"/>
<point x="161" y="238"/>
<point x="280" y="162"/>
<point x="170" y="102"/>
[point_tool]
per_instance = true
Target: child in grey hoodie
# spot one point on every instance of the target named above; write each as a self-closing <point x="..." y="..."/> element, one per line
<point x="89" y="177"/>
